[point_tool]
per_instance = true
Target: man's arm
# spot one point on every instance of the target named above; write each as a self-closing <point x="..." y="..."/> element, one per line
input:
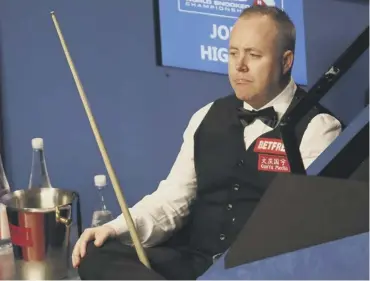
<point x="320" y="133"/>
<point x="157" y="215"/>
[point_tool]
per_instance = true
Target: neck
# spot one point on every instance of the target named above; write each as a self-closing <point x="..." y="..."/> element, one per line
<point x="270" y="95"/>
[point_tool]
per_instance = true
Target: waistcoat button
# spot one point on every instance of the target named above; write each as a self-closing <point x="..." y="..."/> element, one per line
<point x="222" y="236"/>
<point x="229" y="207"/>
<point x="236" y="186"/>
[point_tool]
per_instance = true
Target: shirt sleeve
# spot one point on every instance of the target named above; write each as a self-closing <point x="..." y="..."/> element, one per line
<point x="157" y="215"/>
<point x="320" y="133"/>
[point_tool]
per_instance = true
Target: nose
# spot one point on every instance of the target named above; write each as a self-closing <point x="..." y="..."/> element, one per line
<point x="241" y="64"/>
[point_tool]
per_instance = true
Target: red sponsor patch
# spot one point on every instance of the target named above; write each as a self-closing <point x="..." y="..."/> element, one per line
<point x="273" y="163"/>
<point x="20" y="236"/>
<point x="270" y="146"/>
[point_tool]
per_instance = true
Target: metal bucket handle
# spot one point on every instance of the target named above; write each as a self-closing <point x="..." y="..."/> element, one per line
<point x="68" y="221"/>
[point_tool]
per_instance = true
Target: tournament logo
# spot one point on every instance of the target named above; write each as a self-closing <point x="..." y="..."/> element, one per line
<point x="223" y="8"/>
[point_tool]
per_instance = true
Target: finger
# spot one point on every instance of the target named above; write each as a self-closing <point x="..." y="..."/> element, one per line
<point x="76" y="248"/>
<point x="76" y="254"/>
<point x="83" y="245"/>
<point x="76" y="261"/>
<point x="82" y="242"/>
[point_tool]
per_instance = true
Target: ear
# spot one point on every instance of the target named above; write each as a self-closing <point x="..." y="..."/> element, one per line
<point x="287" y="63"/>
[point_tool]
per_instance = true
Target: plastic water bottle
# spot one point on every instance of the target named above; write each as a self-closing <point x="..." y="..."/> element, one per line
<point x="5" y="242"/>
<point x="101" y="213"/>
<point x="39" y="176"/>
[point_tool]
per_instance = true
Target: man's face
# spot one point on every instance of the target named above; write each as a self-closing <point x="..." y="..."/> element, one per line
<point x="255" y="60"/>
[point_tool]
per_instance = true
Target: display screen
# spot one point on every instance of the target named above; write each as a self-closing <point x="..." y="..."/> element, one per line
<point x="194" y="34"/>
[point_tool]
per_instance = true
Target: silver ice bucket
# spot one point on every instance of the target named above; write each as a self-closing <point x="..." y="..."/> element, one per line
<point x="40" y="227"/>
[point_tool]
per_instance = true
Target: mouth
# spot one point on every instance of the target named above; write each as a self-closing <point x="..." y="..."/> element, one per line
<point x="242" y="81"/>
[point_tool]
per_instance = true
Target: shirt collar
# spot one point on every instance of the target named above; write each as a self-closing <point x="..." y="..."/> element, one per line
<point x="281" y="102"/>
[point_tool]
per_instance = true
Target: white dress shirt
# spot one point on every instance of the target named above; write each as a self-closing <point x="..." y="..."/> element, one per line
<point x="165" y="210"/>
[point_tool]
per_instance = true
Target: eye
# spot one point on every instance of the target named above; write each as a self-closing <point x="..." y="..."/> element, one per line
<point x="253" y="55"/>
<point x="233" y="53"/>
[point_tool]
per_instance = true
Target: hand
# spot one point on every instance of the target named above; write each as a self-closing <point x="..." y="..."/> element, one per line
<point x="100" y="234"/>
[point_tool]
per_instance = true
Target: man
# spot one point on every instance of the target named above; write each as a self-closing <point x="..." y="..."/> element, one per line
<point x="218" y="177"/>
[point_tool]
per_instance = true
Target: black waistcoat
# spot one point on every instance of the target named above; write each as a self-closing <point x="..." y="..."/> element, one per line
<point x="231" y="180"/>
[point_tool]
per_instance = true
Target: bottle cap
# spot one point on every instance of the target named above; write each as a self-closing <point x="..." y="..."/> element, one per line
<point x="37" y="143"/>
<point x="100" y="180"/>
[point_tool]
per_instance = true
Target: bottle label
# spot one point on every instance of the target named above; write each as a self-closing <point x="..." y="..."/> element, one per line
<point x="21" y="236"/>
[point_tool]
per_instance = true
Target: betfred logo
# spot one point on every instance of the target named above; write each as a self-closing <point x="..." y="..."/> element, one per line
<point x="270" y="146"/>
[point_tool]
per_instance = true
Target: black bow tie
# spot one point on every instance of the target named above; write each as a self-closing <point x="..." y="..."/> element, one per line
<point x="267" y="116"/>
